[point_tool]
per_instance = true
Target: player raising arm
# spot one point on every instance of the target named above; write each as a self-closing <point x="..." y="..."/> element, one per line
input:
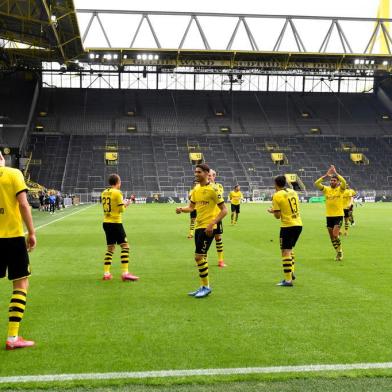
<point x="334" y="206"/>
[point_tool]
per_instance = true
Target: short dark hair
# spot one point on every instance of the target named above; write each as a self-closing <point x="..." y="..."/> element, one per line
<point x="280" y="181"/>
<point x="113" y="179"/>
<point x="204" y="167"/>
<point x="235" y="186"/>
<point x="335" y="176"/>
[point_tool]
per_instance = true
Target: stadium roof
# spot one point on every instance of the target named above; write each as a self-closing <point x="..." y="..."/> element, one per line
<point x="278" y="42"/>
<point x="48" y="30"/>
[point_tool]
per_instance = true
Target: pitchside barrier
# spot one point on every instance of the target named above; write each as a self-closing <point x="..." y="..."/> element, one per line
<point x="256" y="196"/>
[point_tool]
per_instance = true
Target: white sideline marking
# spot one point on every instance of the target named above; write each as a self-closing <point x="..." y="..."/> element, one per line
<point x="196" y="372"/>
<point x="63" y="217"/>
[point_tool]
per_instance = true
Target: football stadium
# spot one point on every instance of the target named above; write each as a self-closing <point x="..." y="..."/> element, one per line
<point x="195" y="197"/>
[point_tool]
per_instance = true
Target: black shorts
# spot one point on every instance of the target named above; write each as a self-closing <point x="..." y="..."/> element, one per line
<point x="333" y="221"/>
<point x="235" y="208"/>
<point x="115" y="233"/>
<point x="346" y="212"/>
<point x="289" y="236"/>
<point x="14" y="259"/>
<point x="193" y="214"/>
<point x="202" y="242"/>
<point x="219" y="228"/>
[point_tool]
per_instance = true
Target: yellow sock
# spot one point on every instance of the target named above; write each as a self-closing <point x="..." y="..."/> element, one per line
<point x="292" y="261"/>
<point x="287" y="268"/>
<point x="107" y="261"/>
<point x="16" y="310"/>
<point x="203" y="271"/>
<point x="124" y="260"/>
<point x="219" y="249"/>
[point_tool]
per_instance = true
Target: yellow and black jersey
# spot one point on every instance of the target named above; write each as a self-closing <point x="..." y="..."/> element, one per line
<point x="235" y="197"/>
<point x="190" y="193"/>
<point x="113" y="205"/>
<point x="220" y="187"/>
<point x="348" y="198"/>
<point x="286" y="201"/>
<point x="333" y="197"/>
<point x="11" y="184"/>
<point x="206" y="198"/>
<point x="221" y="190"/>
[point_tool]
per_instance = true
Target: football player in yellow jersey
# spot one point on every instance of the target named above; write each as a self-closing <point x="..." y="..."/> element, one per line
<point x="348" y="204"/>
<point x="334" y="206"/>
<point x="235" y="197"/>
<point x="14" y="259"/>
<point x="113" y="207"/>
<point x="219" y="229"/>
<point x="285" y="206"/>
<point x="192" y="214"/>
<point x="205" y="198"/>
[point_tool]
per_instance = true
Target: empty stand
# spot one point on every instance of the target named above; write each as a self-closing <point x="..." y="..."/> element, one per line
<point x="155" y="158"/>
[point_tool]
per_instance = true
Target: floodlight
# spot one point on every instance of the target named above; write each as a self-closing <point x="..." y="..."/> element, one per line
<point x="144" y="57"/>
<point x="115" y="56"/>
<point x="139" y="56"/>
<point x="156" y="57"/>
<point x="385" y="63"/>
<point x="91" y="55"/>
<point x="356" y="61"/>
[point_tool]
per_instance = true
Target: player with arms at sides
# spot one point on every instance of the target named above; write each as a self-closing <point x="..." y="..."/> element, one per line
<point x="285" y="206"/>
<point x="113" y="206"/>
<point x="348" y="205"/>
<point x="14" y="259"/>
<point x="204" y="199"/>
<point x="334" y="206"/>
<point x="235" y="197"/>
<point x="219" y="230"/>
<point x="193" y="213"/>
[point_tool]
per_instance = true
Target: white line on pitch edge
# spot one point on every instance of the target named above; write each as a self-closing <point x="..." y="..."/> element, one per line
<point x="63" y="217"/>
<point x="196" y="372"/>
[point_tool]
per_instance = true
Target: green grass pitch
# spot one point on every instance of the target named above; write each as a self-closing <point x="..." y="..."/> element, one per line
<point x="337" y="313"/>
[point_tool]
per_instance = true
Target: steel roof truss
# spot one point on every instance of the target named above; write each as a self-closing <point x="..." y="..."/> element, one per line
<point x="145" y="16"/>
<point x="373" y="38"/>
<point x="104" y="32"/>
<point x="343" y="38"/>
<point x="387" y="37"/>
<point x="94" y="14"/>
<point x="202" y="35"/>
<point x="297" y="37"/>
<point x="281" y="35"/>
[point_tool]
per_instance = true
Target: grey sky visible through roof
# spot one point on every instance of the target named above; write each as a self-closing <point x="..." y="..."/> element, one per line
<point x="120" y="29"/>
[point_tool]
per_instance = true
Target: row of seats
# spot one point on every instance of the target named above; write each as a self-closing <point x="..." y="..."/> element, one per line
<point x="91" y="111"/>
<point x="148" y="164"/>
